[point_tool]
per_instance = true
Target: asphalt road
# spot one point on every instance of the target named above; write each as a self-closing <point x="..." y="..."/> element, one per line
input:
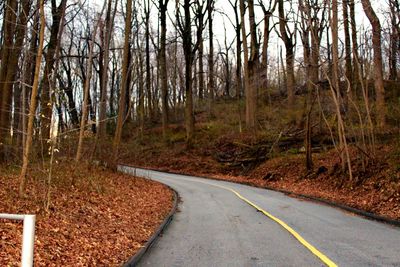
<point x="215" y="227"/>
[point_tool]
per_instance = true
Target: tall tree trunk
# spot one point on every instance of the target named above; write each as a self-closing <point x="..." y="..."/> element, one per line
<point x="29" y="72"/>
<point x="336" y="91"/>
<point x="9" y="23"/>
<point x="253" y="69"/>
<point x="12" y="69"/>
<point x="268" y="12"/>
<point x="107" y="33"/>
<point x="347" y="42"/>
<point x="246" y="60"/>
<point x="288" y="39"/>
<point x="210" y="9"/>
<point x="33" y="102"/>
<point x="238" y="52"/>
<point x="200" y="26"/>
<point x="122" y="95"/>
<point x="163" y="64"/>
<point x="140" y="109"/>
<point x="189" y="58"/>
<point x="185" y="28"/>
<point x="46" y="105"/>
<point x="148" y="67"/>
<point x="86" y="90"/>
<point x="354" y="42"/>
<point x="378" y="65"/>
<point x="394" y="39"/>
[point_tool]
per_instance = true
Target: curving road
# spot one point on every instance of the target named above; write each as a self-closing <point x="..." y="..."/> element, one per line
<point x="216" y="225"/>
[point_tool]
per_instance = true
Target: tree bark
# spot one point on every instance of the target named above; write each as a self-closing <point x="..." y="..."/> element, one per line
<point x="378" y="65"/>
<point x="122" y="95"/>
<point x="246" y="61"/>
<point x="105" y="56"/>
<point x="163" y="4"/>
<point x="46" y="105"/>
<point x="210" y="9"/>
<point x="86" y="90"/>
<point x="33" y="102"/>
<point x="288" y="39"/>
<point x="9" y="23"/>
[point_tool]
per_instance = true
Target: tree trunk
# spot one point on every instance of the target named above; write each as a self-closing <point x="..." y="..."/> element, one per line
<point x="104" y="69"/>
<point x="378" y="65"/>
<point x="86" y="90"/>
<point x="347" y="43"/>
<point x="33" y="102"/>
<point x="287" y="38"/>
<point x="189" y="58"/>
<point x="45" y="100"/>
<point x="12" y="69"/>
<point x="354" y="42"/>
<point x="122" y="95"/>
<point x="163" y="64"/>
<point x="9" y="23"/>
<point x="148" y="67"/>
<point x="336" y="91"/>
<point x="210" y="9"/>
<point x="253" y="71"/>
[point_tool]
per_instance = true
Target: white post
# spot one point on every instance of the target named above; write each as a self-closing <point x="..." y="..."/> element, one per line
<point x="28" y="240"/>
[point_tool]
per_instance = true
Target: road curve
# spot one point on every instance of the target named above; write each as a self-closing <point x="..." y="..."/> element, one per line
<point x="215" y="227"/>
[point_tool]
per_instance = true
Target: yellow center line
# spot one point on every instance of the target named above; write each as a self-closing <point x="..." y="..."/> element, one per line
<point x="296" y="235"/>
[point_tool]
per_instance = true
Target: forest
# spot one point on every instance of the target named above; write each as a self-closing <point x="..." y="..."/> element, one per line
<point x="297" y="95"/>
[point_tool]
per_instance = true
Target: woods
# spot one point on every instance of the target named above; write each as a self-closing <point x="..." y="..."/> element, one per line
<point x="300" y="96"/>
<point x="96" y="76"/>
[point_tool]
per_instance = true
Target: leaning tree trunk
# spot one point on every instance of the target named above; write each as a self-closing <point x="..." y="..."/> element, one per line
<point x="33" y="102"/>
<point x="86" y="91"/>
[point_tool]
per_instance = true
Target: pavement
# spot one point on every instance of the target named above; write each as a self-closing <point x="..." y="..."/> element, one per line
<point x="218" y="225"/>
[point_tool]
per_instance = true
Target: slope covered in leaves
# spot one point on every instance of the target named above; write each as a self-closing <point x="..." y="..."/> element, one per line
<point x="96" y="217"/>
<point x="277" y="162"/>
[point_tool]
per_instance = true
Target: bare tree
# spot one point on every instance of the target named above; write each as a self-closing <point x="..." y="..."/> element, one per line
<point x="288" y="37"/>
<point x="46" y="103"/>
<point x="14" y="36"/>
<point x="123" y="88"/>
<point x="336" y="91"/>
<point x="210" y="9"/>
<point x="86" y="88"/>
<point x="104" y="59"/>
<point x="378" y="64"/>
<point x="189" y="51"/>
<point x="268" y="11"/>
<point x="162" y="6"/>
<point x="33" y="102"/>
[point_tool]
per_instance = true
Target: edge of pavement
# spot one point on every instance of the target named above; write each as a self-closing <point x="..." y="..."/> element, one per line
<point x="363" y="213"/>
<point x="135" y="259"/>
